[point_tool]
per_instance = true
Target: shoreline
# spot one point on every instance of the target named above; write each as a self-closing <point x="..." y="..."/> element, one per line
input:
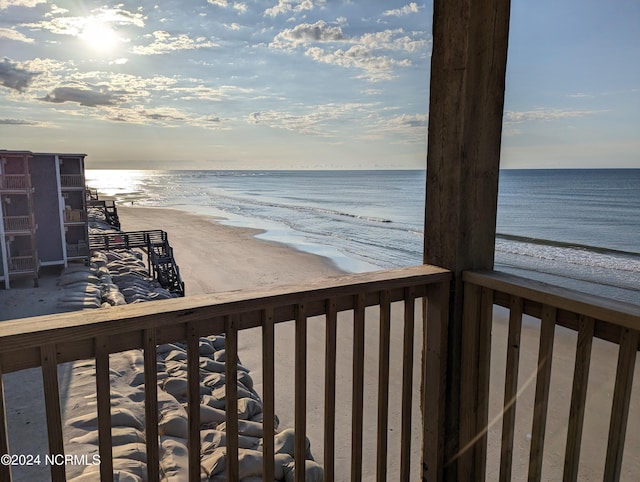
<point x="259" y="263"/>
<point x="236" y="260"/>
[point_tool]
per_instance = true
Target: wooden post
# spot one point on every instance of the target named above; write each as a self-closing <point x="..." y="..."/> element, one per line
<point x="468" y="66"/>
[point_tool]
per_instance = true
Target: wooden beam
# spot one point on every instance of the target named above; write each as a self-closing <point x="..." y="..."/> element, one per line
<point x="468" y="67"/>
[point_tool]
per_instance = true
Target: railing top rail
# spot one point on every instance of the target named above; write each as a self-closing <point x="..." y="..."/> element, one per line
<point x="29" y="333"/>
<point x="601" y="308"/>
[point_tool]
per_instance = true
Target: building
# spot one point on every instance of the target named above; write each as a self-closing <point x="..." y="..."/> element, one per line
<point x="43" y="211"/>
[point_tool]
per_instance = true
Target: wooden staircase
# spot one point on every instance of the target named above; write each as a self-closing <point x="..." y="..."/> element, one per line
<point x="160" y="261"/>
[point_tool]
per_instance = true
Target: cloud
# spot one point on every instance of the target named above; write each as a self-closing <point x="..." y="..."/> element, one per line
<point x="165" y="42"/>
<point x="308" y="33"/>
<point x="15" y="77"/>
<point x="84" y="96"/>
<point x="406" y="10"/>
<point x="293" y="6"/>
<point x="376" y="53"/>
<point x="316" y="120"/>
<point x="13" y="34"/>
<point x="4" y="4"/>
<point x="545" y="115"/>
<point x="17" y="122"/>
<point x="219" y="3"/>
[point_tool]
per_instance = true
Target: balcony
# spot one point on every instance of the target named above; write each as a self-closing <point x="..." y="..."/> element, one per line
<point x="22" y="265"/>
<point x="18" y="224"/>
<point x="14" y="182"/>
<point x="362" y="302"/>
<point x="72" y="181"/>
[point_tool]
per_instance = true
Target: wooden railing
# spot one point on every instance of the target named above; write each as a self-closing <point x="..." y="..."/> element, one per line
<point x="18" y="223"/>
<point x="72" y="180"/>
<point x="14" y="181"/>
<point x="22" y="264"/>
<point x="589" y="316"/>
<point x="94" y="334"/>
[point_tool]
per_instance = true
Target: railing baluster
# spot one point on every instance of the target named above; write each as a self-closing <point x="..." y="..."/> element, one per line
<point x="511" y="387"/>
<point x="52" y="408"/>
<point x="621" y="399"/>
<point x="330" y="391"/>
<point x="103" y="395"/>
<point x="578" y="398"/>
<point x="300" y="444"/>
<point x="231" y="396"/>
<point x="151" y="403"/>
<point x="484" y="371"/>
<point x="193" y="399"/>
<point x="268" y="396"/>
<point x="407" y="383"/>
<point x="5" y="469"/>
<point x="434" y="379"/>
<point x="469" y="382"/>
<point x="358" y="388"/>
<point x="383" y="385"/>
<point x="543" y="382"/>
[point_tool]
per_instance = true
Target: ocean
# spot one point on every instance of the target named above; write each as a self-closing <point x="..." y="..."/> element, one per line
<point x="575" y="228"/>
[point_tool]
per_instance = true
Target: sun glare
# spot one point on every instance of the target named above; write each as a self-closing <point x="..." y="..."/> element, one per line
<point x="99" y="36"/>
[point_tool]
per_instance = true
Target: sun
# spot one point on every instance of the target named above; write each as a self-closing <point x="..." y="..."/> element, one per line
<point x="99" y="35"/>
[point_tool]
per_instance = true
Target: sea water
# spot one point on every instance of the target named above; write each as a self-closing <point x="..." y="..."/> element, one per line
<point x="576" y="228"/>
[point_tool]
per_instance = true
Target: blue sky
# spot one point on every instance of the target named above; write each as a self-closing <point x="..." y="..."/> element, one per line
<point x="303" y="84"/>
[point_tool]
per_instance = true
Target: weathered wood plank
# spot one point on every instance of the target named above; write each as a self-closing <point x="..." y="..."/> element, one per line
<point x="484" y="370"/>
<point x="193" y="399"/>
<point x="383" y="386"/>
<point x="17" y="335"/>
<point x="151" y="404"/>
<point x="52" y="409"/>
<point x="597" y="307"/>
<point x="511" y="388"/>
<point x="468" y="417"/>
<point x="621" y="400"/>
<point x="103" y="396"/>
<point x="268" y="395"/>
<point x="407" y="384"/>
<point x="578" y="399"/>
<point x="330" y="390"/>
<point x="300" y="405"/>
<point x="434" y="367"/>
<point x="357" y="401"/>
<point x="231" y="397"/>
<point x="468" y="67"/>
<point x="541" y="400"/>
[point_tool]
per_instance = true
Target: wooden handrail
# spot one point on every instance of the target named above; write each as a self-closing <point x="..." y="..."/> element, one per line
<point x="49" y="340"/>
<point x="590" y="316"/>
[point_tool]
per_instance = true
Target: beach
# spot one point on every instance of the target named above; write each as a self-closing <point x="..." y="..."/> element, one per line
<point x="216" y="258"/>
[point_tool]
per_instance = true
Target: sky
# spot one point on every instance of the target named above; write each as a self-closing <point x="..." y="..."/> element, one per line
<point x="303" y="84"/>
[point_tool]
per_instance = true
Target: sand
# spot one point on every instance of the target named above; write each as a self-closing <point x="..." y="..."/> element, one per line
<point x="215" y="258"/>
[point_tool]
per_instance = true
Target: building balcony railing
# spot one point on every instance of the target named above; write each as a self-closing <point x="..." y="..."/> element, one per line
<point x="11" y="182"/>
<point x="14" y="224"/>
<point x="74" y="215"/>
<point x="72" y="180"/>
<point x="22" y="265"/>
<point x="376" y="310"/>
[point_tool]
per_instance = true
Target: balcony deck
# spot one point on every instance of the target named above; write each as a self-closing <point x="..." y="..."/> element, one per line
<point x="50" y="340"/>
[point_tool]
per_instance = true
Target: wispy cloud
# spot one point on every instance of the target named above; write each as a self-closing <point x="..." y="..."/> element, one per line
<point x="165" y="42"/>
<point x="285" y="7"/>
<point x="4" y="4"/>
<point x="546" y="115"/>
<point x="406" y="10"/>
<point x="13" y="34"/>
<point x="17" y="122"/>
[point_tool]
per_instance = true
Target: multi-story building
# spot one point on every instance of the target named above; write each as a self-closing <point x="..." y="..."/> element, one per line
<point x="43" y="211"/>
